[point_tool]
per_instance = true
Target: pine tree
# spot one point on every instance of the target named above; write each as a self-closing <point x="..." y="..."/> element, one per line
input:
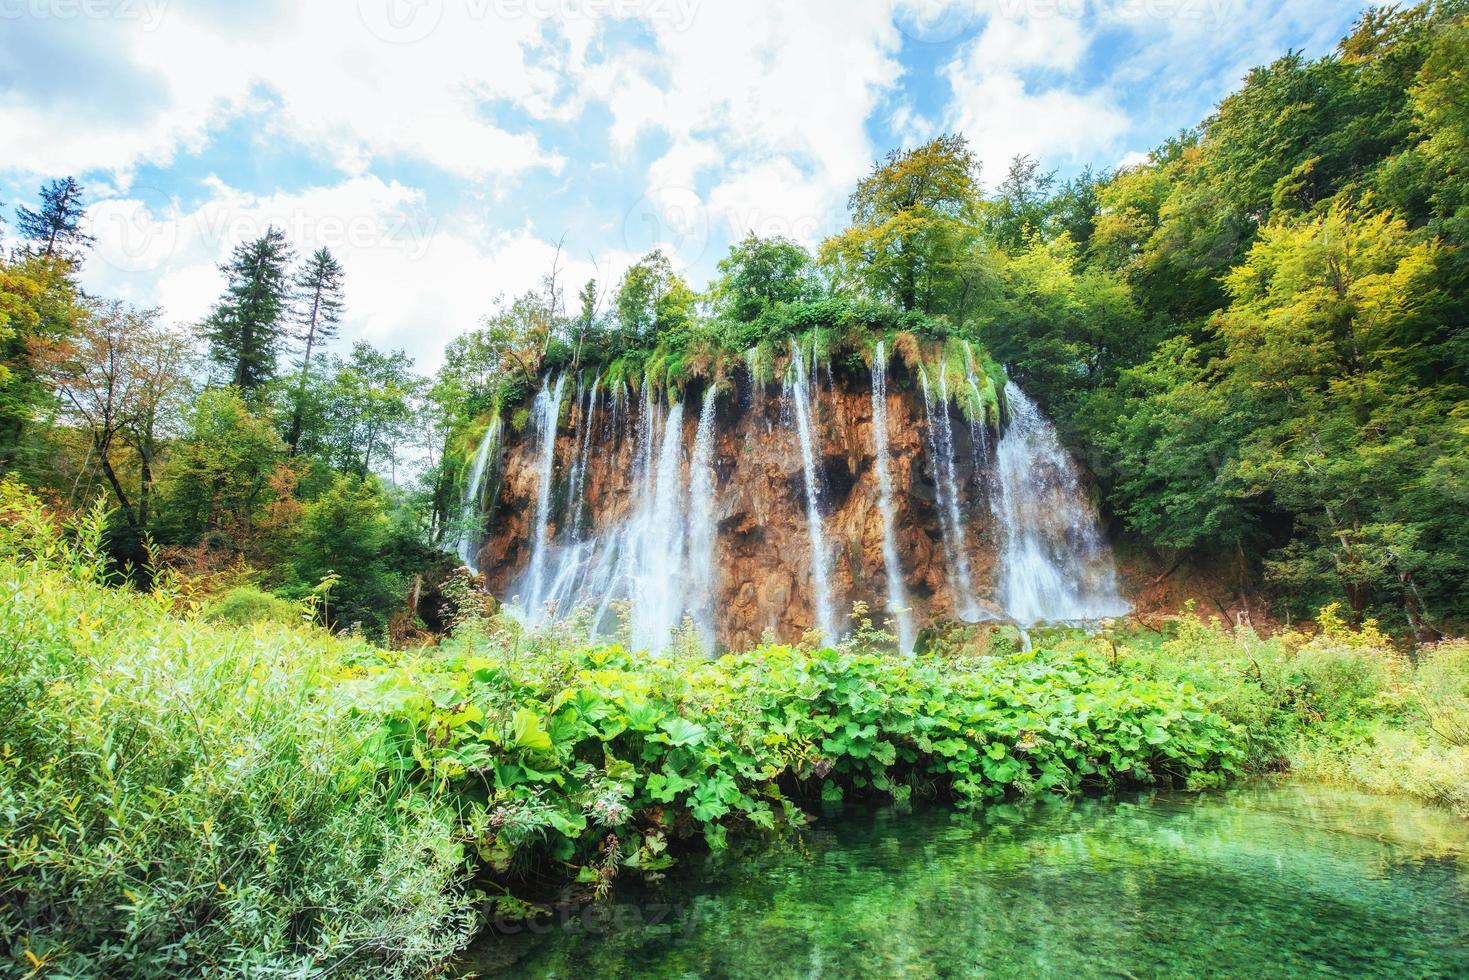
<point x="249" y="323"/>
<point x="56" y="230"/>
<point x="318" y="287"/>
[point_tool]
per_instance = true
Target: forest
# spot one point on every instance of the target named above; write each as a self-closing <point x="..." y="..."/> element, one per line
<point x="1254" y="344"/>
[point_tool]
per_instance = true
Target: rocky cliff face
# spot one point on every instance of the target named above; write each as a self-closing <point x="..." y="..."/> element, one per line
<point x="762" y="554"/>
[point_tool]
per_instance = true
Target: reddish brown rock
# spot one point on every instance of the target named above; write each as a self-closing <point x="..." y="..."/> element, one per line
<point x="763" y="552"/>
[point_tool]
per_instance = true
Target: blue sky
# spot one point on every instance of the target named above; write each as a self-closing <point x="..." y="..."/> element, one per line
<point x="444" y="148"/>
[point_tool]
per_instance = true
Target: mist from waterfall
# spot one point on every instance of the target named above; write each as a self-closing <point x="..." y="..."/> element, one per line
<point x="470" y="506"/>
<point x="1055" y="565"/>
<point x="798" y="391"/>
<point x="896" y="593"/>
<point x="576" y="520"/>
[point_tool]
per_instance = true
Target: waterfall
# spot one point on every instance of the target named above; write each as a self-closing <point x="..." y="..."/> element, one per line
<point x="702" y="529"/>
<point x="657" y="579"/>
<point x="941" y="451"/>
<point x="469" y="508"/>
<point x="1055" y="565"/>
<point x="979" y="433"/>
<point x="897" y="597"/>
<point x="798" y="390"/>
<point x="547" y="413"/>
<point x="657" y="564"/>
<point x="576" y="518"/>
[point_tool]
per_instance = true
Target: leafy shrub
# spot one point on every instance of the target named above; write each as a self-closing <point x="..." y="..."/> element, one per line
<point x="246" y="605"/>
<point x="1442" y="687"/>
<point x="566" y="747"/>
<point x="181" y="799"/>
<point x="1341" y="705"/>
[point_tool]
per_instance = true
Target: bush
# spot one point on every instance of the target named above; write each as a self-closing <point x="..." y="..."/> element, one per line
<point x="584" y="753"/>
<point x="1341" y="705"/>
<point x="177" y="798"/>
<point x="247" y="605"/>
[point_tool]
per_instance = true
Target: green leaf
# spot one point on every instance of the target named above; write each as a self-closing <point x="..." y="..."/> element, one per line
<point x="681" y="731"/>
<point x="528" y="732"/>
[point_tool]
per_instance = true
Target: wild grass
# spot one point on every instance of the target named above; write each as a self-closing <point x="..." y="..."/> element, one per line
<point x="178" y="798"/>
<point x="1337" y="705"/>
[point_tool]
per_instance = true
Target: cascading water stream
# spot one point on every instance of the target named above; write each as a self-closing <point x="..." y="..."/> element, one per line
<point x="897" y="595"/>
<point x="658" y="578"/>
<point x="941" y="449"/>
<point x="469" y="509"/>
<point x="547" y="412"/>
<point x="577" y="518"/>
<point x="798" y="390"/>
<point x="702" y="528"/>
<point x="658" y="561"/>
<point x="1055" y="564"/>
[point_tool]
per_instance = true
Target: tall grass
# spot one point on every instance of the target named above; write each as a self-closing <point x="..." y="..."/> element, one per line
<point x="183" y="799"/>
<point x="1338" y="705"/>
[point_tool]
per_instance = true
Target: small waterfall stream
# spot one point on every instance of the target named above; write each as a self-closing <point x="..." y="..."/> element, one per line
<point x="656" y="566"/>
<point x="1055" y="565"/>
<point x="798" y="391"/>
<point x="702" y="528"/>
<point x="547" y="413"/>
<point x="941" y="450"/>
<point x="469" y="509"/>
<point x="576" y="520"/>
<point x="896" y="593"/>
<point x="658" y="573"/>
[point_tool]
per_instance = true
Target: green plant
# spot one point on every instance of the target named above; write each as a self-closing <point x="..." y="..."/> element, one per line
<point x="245" y="605"/>
<point x="561" y="746"/>
<point x="183" y="798"/>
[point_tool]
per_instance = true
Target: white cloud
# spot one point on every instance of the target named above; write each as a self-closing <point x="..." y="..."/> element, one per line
<point x="1132" y="158"/>
<point x="763" y="98"/>
<point x="411" y="280"/>
<point x="1004" y="114"/>
<point x="322" y="77"/>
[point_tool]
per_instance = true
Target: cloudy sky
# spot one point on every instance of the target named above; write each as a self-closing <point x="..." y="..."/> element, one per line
<point x="443" y="148"/>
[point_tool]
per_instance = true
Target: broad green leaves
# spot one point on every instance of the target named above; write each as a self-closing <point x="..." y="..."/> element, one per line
<point x="568" y="746"/>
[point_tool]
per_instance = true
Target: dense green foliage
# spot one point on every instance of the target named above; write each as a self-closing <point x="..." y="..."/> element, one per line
<point x="1341" y="705"/>
<point x="180" y="794"/>
<point x="237" y="483"/>
<point x="183" y="799"/>
<point x="564" y="746"/>
<point x="1299" y="260"/>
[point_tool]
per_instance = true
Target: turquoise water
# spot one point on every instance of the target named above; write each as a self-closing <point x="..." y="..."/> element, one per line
<point x="1264" y="881"/>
